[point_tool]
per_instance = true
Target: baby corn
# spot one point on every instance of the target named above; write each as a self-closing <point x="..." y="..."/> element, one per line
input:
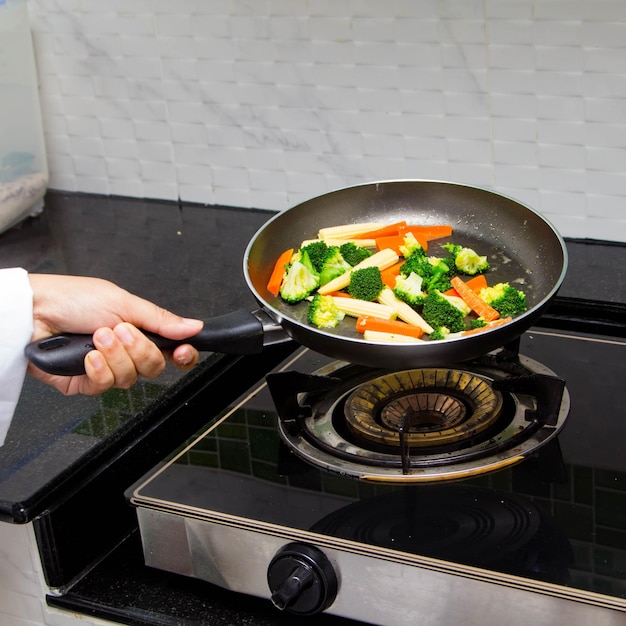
<point x="382" y="337"/>
<point x="364" y="243"/>
<point x="347" y="231"/>
<point x="403" y="310"/>
<point x="356" y="308"/>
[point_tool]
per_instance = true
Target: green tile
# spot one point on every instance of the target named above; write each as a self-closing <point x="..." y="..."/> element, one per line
<point x="261" y="418"/>
<point x="583" y="556"/>
<point x="264" y="444"/>
<point x="340" y="486"/>
<point x="576" y="520"/>
<point x="611" y="537"/>
<point x="310" y="480"/>
<point x="117" y="399"/>
<point x="267" y="471"/>
<point x="203" y="459"/>
<point x="562" y="491"/>
<point x="207" y="444"/>
<point x="499" y="480"/>
<point x="152" y="390"/>
<point x="611" y="508"/>
<point x="100" y="424"/>
<point x="234" y="455"/>
<point x="231" y="430"/>
<point x="582" y="480"/>
<point x="238" y="417"/>
<point x="611" y="479"/>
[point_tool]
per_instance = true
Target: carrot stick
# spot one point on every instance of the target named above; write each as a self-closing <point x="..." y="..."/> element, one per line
<point x="276" y="277"/>
<point x="389" y="275"/>
<point x="476" y="284"/>
<point x="390" y="241"/>
<point x="384" y="231"/>
<point x="339" y="294"/>
<point x="473" y="301"/>
<point x="395" y="241"/>
<point x="367" y="322"/>
<point x="435" y="231"/>
<point x="499" y="322"/>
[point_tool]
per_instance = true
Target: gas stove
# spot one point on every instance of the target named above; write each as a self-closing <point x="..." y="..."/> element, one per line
<point x="437" y="494"/>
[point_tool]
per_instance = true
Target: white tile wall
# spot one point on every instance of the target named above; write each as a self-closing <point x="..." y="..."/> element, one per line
<point x="267" y="103"/>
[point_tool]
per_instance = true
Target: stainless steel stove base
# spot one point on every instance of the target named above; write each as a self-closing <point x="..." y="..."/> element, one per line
<point x="375" y="585"/>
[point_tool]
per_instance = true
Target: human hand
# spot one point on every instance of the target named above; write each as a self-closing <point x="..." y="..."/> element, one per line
<point x="79" y="304"/>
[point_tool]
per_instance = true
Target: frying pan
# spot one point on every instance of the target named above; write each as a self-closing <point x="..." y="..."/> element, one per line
<point x="523" y="248"/>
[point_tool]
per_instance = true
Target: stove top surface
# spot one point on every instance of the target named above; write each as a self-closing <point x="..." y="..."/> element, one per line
<point x="556" y="516"/>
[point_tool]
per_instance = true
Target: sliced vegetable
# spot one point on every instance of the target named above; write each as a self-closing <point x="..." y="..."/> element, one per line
<point x="403" y="310"/>
<point x="476" y="284"/>
<point x="473" y="300"/>
<point x="391" y="326"/>
<point x="389" y="275"/>
<point x="396" y="241"/>
<point x="364" y="243"/>
<point x="273" y="284"/>
<point x="494" y="324"/>
<point x="384" y="231"/>
<point x="392" y="316"/>
<point x="382" y="337"/>
<point x="429" y="231"/>
<point x="339" y="294"/>
<point x="348" y="231"/>
<point x="356" y="308"/>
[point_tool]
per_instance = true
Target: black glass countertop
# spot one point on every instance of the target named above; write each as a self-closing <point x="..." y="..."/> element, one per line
<point x="187" y="258"/>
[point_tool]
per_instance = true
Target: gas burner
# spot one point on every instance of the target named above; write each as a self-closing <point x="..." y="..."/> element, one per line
<point x="420" y="425"/>
<point x="423" y="407"/>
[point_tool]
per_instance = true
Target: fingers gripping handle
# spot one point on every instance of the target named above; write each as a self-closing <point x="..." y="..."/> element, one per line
<point x="239" y="332"/>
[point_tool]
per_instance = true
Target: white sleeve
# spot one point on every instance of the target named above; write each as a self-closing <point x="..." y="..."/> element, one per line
<point x="16" y="329"/>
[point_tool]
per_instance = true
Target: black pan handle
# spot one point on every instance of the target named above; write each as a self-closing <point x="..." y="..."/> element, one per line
<point x="239" y="332"/>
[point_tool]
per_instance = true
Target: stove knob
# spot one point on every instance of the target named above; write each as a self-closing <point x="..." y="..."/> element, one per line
<point x="302" y="579"/>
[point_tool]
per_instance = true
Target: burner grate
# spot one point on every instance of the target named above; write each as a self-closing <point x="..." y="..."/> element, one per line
<point x="426" y="407"/>
<point x="420" y="425"/>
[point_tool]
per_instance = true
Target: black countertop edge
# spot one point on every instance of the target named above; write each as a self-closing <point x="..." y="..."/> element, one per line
<point x="585" y="316"/>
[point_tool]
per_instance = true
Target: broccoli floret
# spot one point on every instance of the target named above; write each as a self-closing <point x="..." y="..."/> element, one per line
<point x="479" y="322"/>
<point x="300" y="279"/>
<point x="366" y="283"/>
<point x="354" y="253"/>
<point x="439" y="333"/>
<point x="440" y="310"/>
<point x="436" y="272"/>
<point x="414" y="263"/>
<point x="410" y="245"/>
<point x="505" y="299"/>
<point x="318" y="252"/>
<point x="440" y="275"/>
<point x="467" y="260"/>
<point x="409" y="289"/>
<point x="323" y="313"/>
<point x="334" y="265"/>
